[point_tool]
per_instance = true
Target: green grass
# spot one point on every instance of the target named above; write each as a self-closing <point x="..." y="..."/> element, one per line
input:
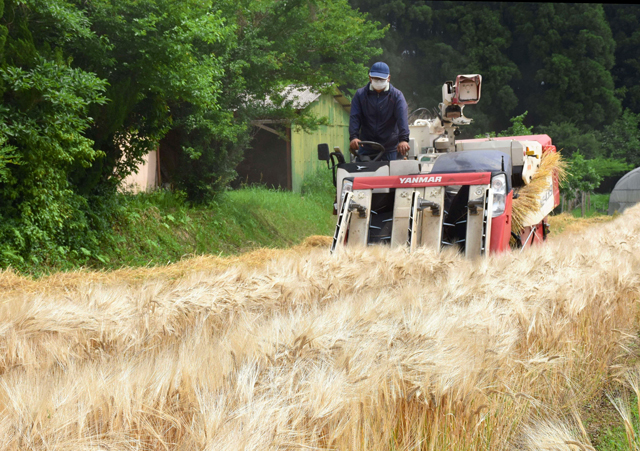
<point x="613" y="439"/>
<point x="605" y="425"/>
<point x="160" y="228"/>
<point x="599" y="206"/>
<point x="611" y="435"/>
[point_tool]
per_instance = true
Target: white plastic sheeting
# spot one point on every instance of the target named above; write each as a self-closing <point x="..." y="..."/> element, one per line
<point x="626" y="192"/>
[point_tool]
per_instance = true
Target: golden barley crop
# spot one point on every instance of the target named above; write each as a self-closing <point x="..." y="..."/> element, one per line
<point x="367" y="350"/>
<point x="527" y="198"/>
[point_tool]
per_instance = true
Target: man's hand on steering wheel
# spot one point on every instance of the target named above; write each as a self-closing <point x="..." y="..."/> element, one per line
<point x="355" y="144"/>
<point x="403" y="148"/>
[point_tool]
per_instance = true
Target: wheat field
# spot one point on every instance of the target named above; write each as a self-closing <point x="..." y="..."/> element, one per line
<point x="301" y="350"/>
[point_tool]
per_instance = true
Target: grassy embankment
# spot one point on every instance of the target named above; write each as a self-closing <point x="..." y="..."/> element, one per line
<point x="159" y="228"/>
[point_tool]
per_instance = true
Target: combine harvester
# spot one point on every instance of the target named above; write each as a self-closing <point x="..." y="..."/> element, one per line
<point x="480" y="195"/>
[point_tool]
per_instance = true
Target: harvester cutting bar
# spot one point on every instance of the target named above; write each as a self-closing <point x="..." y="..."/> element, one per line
<point x="359" y="225"/>
<point x="478" y="220"/>
<point x="344" y="217"/>
<point x="425" y="226"/>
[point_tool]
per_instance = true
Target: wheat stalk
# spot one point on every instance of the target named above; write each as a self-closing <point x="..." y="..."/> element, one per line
<point x="527" y="200"/>
<point x="372" y="349"/>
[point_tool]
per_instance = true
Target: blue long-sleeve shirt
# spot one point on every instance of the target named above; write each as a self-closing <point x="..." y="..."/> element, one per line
<point x="381" y="117"/>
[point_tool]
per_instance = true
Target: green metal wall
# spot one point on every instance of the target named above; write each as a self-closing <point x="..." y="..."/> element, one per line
<point x="304" y="146"/>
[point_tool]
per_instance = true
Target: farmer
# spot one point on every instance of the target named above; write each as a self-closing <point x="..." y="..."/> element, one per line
<point x="379" y="114"/>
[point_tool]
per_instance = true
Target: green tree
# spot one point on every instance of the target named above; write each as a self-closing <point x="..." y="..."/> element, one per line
<point x="621" y="139"/>
<point x="196" y="68"/>
<point x="553" y="60"/>
<point x="625" y="23"/>
<point x="90" y="87"/>
<point x="570" y="138"/>
<point x="276" y="44"/>
<point x="582" y="178"/>
<point x="517" y="128"/>
<point x="582" y="174"/>
<point x="43" y="119"/>
<point x="585" y="175"/>
<point x="163" y="62"/>
<point x="565" y="52"/>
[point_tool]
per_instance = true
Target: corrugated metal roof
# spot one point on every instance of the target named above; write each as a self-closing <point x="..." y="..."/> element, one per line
<point x="303" y="96"/>
<point x="300" y="97"/>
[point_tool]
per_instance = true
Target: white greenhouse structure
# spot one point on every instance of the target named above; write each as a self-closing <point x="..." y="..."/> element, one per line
<point x="626" y="192"/>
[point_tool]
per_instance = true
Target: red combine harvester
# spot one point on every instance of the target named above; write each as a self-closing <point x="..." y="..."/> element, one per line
<point x="446" y="193"/>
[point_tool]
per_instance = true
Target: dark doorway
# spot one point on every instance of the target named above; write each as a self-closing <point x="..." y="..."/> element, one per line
<point x="169" y="155"/>
<point x="265" y="163"/>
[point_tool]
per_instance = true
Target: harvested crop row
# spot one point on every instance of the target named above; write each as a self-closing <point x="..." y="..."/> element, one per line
<point x="371" y="350"/>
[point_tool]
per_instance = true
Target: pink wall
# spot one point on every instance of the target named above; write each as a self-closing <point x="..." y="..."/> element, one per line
<point x="145" y="179"/>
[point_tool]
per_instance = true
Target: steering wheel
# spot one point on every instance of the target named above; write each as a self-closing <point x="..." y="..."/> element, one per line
<point x="375" y="145"/>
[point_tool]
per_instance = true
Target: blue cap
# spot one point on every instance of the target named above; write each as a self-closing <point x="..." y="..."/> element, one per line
<point x="379" y="70"/>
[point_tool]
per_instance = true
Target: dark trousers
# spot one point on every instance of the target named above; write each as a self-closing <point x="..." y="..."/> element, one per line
<point x="387" y="156"/>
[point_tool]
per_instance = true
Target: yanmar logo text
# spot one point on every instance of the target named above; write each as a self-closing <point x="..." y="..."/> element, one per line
<point x="420" y="179"/>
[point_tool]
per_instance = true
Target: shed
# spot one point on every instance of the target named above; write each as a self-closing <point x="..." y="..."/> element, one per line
<point x="626" y="193"/>
<point x="146" y="177"/>
<point x="283" y="160"/>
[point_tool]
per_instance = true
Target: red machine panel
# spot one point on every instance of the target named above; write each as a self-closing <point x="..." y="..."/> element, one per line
<point x="422" y="180"/>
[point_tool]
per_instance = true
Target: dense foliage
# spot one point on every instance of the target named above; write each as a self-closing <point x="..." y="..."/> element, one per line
<point x="573" y="67"/>
<point x="90" y="87"/>
<point x="43" y="132"/>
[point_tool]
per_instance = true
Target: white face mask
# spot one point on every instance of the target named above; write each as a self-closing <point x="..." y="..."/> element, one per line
<point x="379" y="85"/>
